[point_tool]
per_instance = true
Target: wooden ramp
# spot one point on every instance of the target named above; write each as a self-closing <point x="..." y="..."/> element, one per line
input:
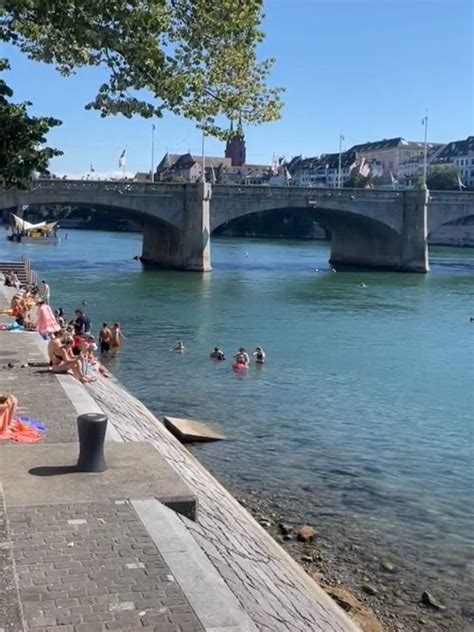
<point x="190" y="431"/>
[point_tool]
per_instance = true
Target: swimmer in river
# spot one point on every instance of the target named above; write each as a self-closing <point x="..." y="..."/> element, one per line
<point x="242" y="357"/>
<point x="362" y="285"/>
<point x="217" y="354"/>
<point x="259" y="355"/>
<point x="179" y="347"/>
<point x="246" y="254"/>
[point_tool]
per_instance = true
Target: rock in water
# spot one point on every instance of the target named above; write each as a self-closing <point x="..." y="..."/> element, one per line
<point x="285" y="529"/>
<point x="428" y="600"/>
<point x="306" y="533"/>
<point x="369" y="589"/>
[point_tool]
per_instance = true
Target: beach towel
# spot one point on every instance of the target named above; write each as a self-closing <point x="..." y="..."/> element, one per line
<point x="21" y="433"/>
<point x="34" y="423"/>
<point x="47" y="323"/>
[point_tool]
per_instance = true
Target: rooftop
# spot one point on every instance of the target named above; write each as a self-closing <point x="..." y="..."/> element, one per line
<point x="457" y="148"/>
<point x="386" y="143"/>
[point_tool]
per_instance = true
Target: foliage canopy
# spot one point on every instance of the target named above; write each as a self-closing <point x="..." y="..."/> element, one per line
<point x="195" y="58"/>
<point x="21" y="139"/>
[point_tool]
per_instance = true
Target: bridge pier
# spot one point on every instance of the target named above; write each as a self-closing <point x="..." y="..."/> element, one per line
<point x="189" y="247"/>
<point x="414" y="236"/>
<point x="365" y="243"/>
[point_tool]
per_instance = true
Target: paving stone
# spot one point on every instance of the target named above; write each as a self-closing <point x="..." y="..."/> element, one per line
<point x="81" y="567"/>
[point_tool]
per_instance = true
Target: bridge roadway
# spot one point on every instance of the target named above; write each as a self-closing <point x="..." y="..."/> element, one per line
<point x="368" y="227"/>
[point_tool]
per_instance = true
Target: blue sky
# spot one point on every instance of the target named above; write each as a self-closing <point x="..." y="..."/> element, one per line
<point x="368" y="68"/>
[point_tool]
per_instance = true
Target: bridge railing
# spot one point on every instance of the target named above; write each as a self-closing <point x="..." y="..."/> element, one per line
<point x="309" y="192"/>
<point x="448" y="197"/>
<point x="153" y="188"/>
<point x="106" y="186"/>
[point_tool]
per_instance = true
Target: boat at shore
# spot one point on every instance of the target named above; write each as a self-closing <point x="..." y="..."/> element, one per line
<point x="44" y="233"/>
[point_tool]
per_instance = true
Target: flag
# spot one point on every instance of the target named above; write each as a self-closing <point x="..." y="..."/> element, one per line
<point x="287" y="176"/>
<point x="92" y="168"/>
<point x="393" y="179"/>
<point x="122" y="158"/>
<point x="275" y="165"/>
<point x="461" y="184"/>
<point x="364" y="168"/>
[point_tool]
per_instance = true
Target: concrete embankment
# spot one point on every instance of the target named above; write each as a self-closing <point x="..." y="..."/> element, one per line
<point x="95" y="552"/>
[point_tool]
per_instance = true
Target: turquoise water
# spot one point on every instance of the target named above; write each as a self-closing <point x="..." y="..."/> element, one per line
<point x="364" y="410"/>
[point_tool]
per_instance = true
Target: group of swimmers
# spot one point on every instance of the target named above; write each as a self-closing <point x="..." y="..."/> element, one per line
<point x="242" y="358"/>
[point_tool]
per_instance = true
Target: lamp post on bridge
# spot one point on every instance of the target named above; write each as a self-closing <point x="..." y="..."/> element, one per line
<point x="425" y="149"/>
<point x="339" y="171"/>
<point x="152" y="172"/>
<point x="203" y="161"/>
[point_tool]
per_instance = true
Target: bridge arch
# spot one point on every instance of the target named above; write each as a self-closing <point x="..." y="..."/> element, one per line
<point x="353" y="236"/>
<point x="125" y="205"/>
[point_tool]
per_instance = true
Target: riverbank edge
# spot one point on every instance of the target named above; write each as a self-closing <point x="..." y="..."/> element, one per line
<point x="241" y="550"/>
<point x="266" y="581"/>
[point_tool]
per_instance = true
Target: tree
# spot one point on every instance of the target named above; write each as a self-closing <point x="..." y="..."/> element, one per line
<point x="194" y="58"/>
<point x="21" y="139"/>
<point x="442" y="178"/>
<point x="357" y="180"/>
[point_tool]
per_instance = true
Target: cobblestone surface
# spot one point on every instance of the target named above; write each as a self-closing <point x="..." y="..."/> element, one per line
<point x="77" y="567"/>
<point x="94" y="567"/>
<point x="38" y="391"/>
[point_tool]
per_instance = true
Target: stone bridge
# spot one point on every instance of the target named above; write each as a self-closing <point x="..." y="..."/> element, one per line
<point x="369" y="227"/>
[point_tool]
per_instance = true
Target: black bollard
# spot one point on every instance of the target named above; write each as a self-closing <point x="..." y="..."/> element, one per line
<point x="91" y="428"/>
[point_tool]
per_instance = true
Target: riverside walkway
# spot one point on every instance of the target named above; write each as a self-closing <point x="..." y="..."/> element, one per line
<point x="97" y="552"/>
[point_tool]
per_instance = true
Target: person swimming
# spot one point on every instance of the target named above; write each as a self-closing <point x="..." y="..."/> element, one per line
<point x="259" y="355"/>
<point x="179" y="348"/>
<point x="242" y="357"/>
<point x="217" y="354"/>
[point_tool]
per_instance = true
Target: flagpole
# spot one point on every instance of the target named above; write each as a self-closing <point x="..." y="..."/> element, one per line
<point x="203" y="157"/>
<point x="425" y="151"/>
<point x="152" y="172"/>
<point x="339" y="171"/>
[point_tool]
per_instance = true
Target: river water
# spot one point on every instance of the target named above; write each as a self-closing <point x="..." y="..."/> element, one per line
<point x="362" y="419"/>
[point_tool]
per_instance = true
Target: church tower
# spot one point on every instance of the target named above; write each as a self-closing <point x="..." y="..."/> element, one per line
<point x="235" y="147"/>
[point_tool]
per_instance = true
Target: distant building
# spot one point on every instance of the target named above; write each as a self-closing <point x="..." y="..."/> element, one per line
<point x="142" y="176"/>
<point x="189" y="168"/>
<point x="461" y="154"/>
<point x="410" y="171"/>
<point x="322" y="171"/>
<point x="235" y="147"/>
<point x="230" y="169"/>
<point x="389" y="153"/>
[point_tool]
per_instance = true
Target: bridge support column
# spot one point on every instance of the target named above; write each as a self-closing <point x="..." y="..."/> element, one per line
<point x="414" y="237"/>
<point x="188" y="248"/>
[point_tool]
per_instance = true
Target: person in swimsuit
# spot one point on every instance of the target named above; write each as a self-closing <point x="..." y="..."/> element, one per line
<point x="105" y="338"/>
<point x="179" y="348"/>
<point x="116" y="335"/>
<point x="217" y="354"/>
<point x="67" y="359"/>
<point x="54" y="346"/>
<point x="259" y="355"/>
<point x="242" y="357"/>
<point x="59" y="315"/>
